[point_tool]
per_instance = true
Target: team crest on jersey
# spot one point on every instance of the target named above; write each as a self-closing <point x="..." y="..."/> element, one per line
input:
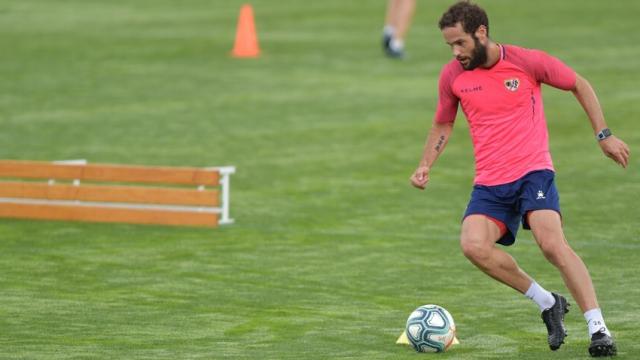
<point x="512" y="84"/>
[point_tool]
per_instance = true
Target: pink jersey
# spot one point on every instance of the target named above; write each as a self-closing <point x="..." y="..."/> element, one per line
<point x="503" y="105"/>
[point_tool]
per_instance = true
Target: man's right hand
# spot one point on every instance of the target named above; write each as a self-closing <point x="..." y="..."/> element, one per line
<point x="420" y="177"/>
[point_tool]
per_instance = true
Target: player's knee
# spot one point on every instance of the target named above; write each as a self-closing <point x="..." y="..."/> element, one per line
<point x="547" y="229"/>
<point x="557" y="252"/>
<point x="474" y="248"/>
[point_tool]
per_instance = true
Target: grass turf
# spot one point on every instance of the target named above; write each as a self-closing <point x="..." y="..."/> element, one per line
<point x="332" y="249"/>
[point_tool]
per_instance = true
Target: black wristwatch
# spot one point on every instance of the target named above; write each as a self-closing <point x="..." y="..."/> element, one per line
<point x="603" y="134"/>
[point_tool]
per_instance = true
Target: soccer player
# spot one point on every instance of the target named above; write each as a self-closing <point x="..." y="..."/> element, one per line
<point x="499" y="89"/>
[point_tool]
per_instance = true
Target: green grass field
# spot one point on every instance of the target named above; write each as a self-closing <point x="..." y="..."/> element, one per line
<point x="331" y="249"/>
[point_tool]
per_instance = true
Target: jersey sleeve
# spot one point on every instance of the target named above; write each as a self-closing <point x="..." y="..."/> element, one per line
<point x="447" y="100"/>
<point x="550" y="70"/>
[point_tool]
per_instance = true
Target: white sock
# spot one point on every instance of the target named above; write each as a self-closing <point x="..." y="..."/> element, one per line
<point x="595" y="321"/>
<point x="388" y="30"/>
<point x="396" y="44"/>
<point x="542" y="297"/>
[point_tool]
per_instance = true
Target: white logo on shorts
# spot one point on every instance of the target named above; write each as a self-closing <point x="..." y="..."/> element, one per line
<point x="540" y="195"/>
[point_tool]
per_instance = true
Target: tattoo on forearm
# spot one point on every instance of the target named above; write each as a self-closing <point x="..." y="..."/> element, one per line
<point x="440" y="143"/>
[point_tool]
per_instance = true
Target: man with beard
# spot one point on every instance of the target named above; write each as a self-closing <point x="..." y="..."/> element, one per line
<point x="498" y="88"/>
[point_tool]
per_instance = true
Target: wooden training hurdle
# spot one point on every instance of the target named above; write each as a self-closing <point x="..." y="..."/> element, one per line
<point x="77" y="191"/>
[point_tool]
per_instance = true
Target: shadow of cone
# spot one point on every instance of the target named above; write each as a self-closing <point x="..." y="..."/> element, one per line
<point x="246" y="45"/>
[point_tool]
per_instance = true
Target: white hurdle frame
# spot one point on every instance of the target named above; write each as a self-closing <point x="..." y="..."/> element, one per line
<point x="225" y="187"/>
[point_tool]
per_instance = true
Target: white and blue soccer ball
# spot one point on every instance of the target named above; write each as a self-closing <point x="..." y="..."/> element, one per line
<point x="430" y="328"/>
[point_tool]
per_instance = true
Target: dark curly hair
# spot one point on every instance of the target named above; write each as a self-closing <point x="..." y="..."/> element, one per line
<point x="471" y="16"/>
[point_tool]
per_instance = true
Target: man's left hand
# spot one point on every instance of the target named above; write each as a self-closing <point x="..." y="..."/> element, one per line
<point x="616" y="149"/>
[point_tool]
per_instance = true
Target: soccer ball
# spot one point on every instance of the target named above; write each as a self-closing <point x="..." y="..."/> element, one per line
<point x="430" y="328"/>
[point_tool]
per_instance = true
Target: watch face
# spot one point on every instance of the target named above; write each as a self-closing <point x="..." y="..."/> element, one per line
<point x="603" y="134"/>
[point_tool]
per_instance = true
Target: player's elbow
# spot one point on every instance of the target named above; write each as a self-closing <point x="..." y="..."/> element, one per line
<point x="581" y="83"/>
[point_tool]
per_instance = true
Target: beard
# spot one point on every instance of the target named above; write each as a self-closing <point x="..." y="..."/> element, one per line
<point x="478" y="56"/>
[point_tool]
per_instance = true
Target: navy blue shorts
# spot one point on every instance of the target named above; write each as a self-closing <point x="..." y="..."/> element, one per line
<point x="511" y="202"/>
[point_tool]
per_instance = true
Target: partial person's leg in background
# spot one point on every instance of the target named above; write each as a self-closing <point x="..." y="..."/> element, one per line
<point x="388" y="20"/>
<point x="403" y="15"/>
<point x="397" y="23"/>
<point x="389" y="30"/>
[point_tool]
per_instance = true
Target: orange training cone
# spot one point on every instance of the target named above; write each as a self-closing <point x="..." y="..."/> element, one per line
<point x="246" y="45"/>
